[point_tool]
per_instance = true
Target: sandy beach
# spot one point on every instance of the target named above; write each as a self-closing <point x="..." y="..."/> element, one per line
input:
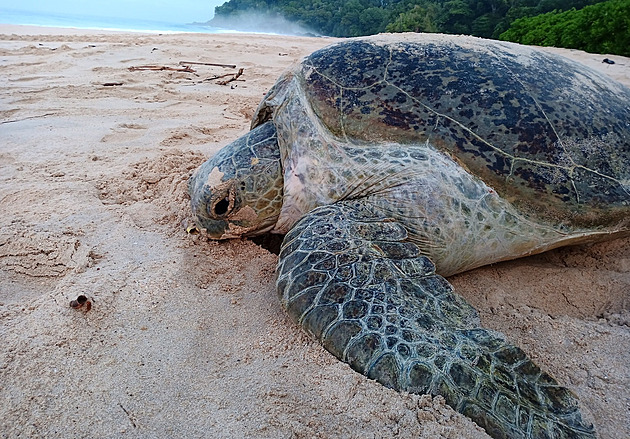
<point x="185" y="337"/>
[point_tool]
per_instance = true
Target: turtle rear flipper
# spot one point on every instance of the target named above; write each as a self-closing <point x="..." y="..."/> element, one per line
<point x="352" y="280"/>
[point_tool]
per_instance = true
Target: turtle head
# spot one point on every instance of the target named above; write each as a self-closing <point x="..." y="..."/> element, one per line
<point x="238" y="192"/>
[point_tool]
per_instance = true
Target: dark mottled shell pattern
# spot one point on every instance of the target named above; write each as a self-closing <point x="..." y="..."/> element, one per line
<point x="550" y="136"/>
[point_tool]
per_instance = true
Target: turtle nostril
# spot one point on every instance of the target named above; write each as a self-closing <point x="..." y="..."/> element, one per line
<point x="221" y="207"/>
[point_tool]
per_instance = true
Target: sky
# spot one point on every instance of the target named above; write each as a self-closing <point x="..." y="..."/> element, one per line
<point x="183" y="11"/>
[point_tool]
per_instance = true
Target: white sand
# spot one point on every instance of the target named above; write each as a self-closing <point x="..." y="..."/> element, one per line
<point x="186" y="338"/>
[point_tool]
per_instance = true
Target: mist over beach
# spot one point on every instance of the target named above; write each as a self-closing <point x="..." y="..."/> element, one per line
<point x="139" y="15"/>
<point x="95" y="22"/>
<point x="596" y="26"/>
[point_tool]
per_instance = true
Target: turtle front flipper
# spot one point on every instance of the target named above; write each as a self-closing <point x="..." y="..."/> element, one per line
<point x="353" y="281"/>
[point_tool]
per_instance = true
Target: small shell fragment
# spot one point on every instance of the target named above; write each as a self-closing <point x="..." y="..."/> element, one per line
<point x="79" y="302"/>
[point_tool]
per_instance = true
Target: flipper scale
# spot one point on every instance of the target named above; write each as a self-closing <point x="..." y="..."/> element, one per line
<point x="351" y="279"/>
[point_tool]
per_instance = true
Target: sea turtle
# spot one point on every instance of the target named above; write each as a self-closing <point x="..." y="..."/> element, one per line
<point x="387" y="160"/>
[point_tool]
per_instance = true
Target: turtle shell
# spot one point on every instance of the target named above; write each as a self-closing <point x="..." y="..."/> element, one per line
<point x="548" y="134"/>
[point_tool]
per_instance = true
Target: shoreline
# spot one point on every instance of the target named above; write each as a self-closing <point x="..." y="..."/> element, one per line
<point x="36" y="29"/>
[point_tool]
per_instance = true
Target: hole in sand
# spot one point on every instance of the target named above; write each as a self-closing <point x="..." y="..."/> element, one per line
<point x="269" y="241"/>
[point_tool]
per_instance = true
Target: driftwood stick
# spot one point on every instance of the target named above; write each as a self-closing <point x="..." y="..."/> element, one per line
<point x="186" y="69"/>
<point x="27" y="118"/>
<point x="227" y="66"/>
<point x="233" y="78"/>
<point x="218" y="77"/>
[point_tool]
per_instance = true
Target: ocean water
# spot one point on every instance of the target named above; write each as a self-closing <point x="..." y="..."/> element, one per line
<point x="14" y="16"/>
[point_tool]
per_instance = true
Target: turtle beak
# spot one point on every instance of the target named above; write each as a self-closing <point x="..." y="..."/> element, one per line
<point x="215" y="229"/>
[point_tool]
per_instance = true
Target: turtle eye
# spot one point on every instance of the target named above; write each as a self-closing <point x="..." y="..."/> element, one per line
<point x="221" y="208"/>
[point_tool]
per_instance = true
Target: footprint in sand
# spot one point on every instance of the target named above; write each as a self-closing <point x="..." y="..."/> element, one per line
<point x="124" y="132"/>
<point x="193" y="135"/>
<point x="42" y="253"/>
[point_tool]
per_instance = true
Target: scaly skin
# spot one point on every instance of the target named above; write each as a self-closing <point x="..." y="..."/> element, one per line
<point x="353" y="281"/>
<point x="351" y="275"/>
<point x="239" y="192"/>
<point x="456" y="218"/>
<point x="382" y="157"/>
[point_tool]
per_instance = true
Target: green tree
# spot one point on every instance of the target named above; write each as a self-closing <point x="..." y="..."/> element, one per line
<point x="418" y="19"/>
<point x="373" y="20"/>
<point x="599" y="28"/>
<point x="457" y="17"/>
<point x="484" y="18"/>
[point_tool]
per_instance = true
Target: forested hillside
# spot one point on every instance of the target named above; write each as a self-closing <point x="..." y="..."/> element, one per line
<point x="600" y="28"/>
<point x="344" y="18"/>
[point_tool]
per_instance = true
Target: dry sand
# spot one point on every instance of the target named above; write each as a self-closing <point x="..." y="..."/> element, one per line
<point x="186" y="338"/>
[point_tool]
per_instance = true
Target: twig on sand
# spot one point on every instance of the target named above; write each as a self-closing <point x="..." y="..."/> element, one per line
<point x="218" y="77"/>
<point x="27" y="118"/>
<point x="186" y="69"/>
<point x="233" y="78"/>
<point x="227" y="66"/>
